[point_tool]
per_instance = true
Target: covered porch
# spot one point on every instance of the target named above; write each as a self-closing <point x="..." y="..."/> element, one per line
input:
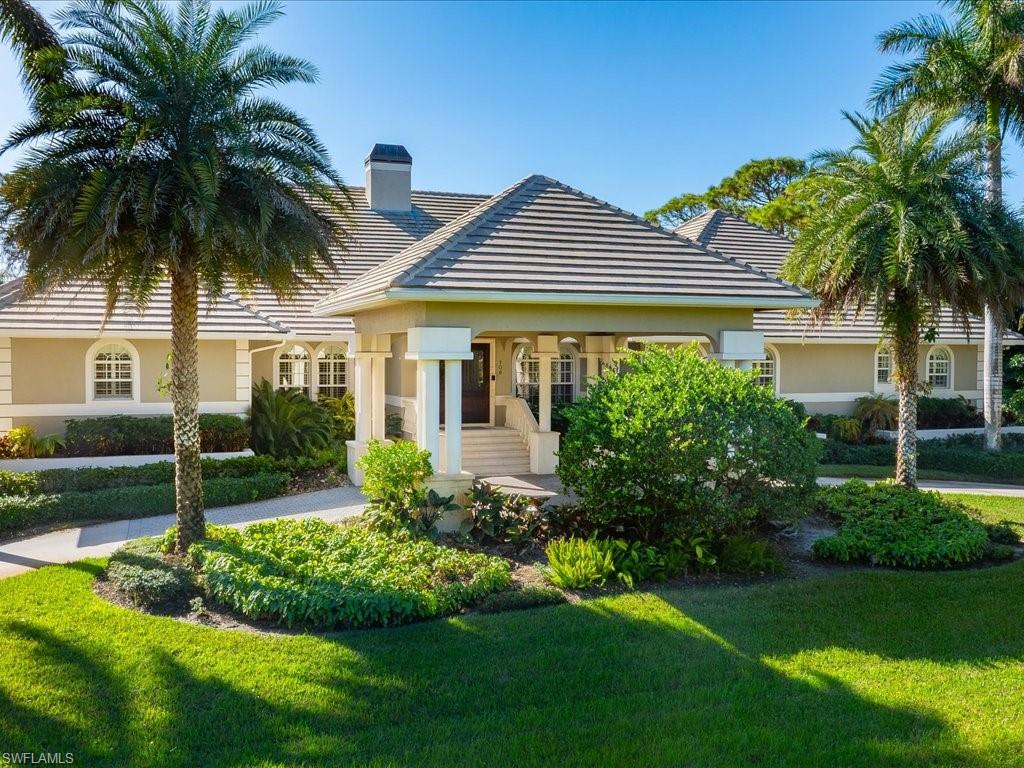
<point x="484" y="404"/>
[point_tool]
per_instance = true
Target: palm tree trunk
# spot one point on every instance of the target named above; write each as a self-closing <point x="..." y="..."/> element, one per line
<point x="905" y="345"/>
<point x="992" y="367"/>
<point x="188" y="477"/>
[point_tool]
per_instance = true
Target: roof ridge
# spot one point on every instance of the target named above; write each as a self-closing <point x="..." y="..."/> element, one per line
<point x="747" y="222"/>
<point x="474" y="218"/>
<point x="657" y="228"/>
<point x="232" y="297"/>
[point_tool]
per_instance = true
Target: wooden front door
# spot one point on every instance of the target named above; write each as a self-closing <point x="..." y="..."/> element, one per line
<point x="476" y="386"/>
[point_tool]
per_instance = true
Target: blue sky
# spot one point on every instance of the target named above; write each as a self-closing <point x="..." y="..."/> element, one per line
<point x="631" y="102"/>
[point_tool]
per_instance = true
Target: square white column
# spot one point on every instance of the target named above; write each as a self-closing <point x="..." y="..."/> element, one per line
<point x="453" y="416"/>
<point x="377" y="398"/>
<point x="544" y="390"/>
<point x="364" y="398"/>
<point x="428" y="409"/>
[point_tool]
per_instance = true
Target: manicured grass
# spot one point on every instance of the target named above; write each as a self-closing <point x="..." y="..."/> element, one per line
<point x="995" y="509"/>
<point x="872" y="472"/>
<point x="854" y="668"/>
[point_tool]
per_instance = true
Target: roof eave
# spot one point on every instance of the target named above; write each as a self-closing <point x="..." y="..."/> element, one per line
<point x="620" y="299"/>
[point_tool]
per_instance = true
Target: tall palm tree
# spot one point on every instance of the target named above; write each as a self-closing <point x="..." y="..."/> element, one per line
<point x="161" y="161"/>
<point x="902" y="225"/>
<point x="974" y="66"/>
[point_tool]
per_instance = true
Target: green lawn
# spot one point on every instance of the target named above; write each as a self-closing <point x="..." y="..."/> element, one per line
<point x="849" y="669"/>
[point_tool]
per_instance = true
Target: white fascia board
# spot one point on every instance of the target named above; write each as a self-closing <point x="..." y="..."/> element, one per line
<point x="543" y="297"/>
<point x="59" y="333"/>
<point x="874" y="340"/>
<point x="330" y="308"/>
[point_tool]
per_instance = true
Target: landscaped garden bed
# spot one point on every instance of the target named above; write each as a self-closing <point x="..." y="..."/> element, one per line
<point x="743" y="481"/>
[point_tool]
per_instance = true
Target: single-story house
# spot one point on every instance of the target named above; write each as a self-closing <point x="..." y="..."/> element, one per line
<point x="828" y="367"/>
<point x="466" y="317"/>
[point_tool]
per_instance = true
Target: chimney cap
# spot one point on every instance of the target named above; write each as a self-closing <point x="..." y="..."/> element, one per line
<point x="389" y="153"/>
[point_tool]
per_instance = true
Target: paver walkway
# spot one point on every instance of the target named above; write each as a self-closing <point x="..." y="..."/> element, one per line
<point x="335" y="504"/>
<point x="98" y="540"/>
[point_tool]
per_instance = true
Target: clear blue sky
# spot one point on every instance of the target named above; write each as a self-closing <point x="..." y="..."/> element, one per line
<point x="631" y="102"/>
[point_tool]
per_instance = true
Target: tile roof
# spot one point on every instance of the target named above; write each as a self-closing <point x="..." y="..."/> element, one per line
<point x="375" y="236"/>
<point x="734" y="236"/>
<point x="542" y="237"/>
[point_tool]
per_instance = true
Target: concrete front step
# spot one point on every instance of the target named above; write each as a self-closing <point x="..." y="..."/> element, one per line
<point x="497" y="451"/>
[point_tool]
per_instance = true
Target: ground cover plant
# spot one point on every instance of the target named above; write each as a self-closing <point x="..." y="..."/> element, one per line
<point x="885" y="524"/>
<point x="312" y="573"/>
<point x="878" y="669"/>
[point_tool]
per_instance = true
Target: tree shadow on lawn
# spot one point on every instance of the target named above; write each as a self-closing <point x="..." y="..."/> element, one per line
<point x="673" y="678"/>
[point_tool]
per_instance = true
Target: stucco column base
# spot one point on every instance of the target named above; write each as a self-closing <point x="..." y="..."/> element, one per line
<point x="456" y="485"/>
<point x="544" y="452"/>
<point x="355" y="450"/>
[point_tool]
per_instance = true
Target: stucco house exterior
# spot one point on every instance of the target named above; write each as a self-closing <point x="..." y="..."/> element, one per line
<point x="827" y="368"/>
<point x="466" y="317"/>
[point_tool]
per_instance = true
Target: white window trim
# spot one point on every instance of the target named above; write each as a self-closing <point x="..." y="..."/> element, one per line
<point x="885" y="387"/>
<point x="563" y="348"/>
<point x="776" y="379"/>
<point x="952" y="372"/>
<point x="90" y="372"/>
<point x="313" y="373"/>
<point x="315" y="365"/>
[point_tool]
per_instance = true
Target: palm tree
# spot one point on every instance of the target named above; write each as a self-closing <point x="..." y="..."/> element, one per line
<point x="902" y="225"/>
<point x="974" y="66"/>
<point x="163" y="161"/>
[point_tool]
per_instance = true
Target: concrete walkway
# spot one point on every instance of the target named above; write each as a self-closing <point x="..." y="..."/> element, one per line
<point x="99" y="540"/>
<point x="335" y="504"/>
<point x="946" y="486"/>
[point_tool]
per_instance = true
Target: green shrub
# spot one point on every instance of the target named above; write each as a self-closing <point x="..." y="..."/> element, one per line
<point x="845" y="429"/>
<point x="139" y="572"/>
<point x="1000" y="552"/>
<point x="1002" y="532"/>
<point x="136" y="435"/>
<point x="19" y="483"/>
<point x="875" y="412"/>
<point x="285" y="422"/>
<point x="518" y="599"/>
<point x="28" y="446"/>
<point x="947" y="413"/>
<point x="676" y="444"/>
<point x="579" y="563"/>
<point x="312" y="573"/>
<point x="17" y="512"/>
<point x="343" y="415"/>
<point x="393" y="477"/>
<point x="746" y="555"/>
<point x="496" y="518"/>
<point x="886" y="524"/>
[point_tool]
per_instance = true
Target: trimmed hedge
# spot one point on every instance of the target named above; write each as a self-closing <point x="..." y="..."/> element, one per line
<point x="132" y="501"/>
<point x="87" y="479"/>
<point x="949" y="456"/>
<point x="134" y="435"/>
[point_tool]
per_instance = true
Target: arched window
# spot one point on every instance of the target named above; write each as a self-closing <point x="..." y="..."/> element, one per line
<point x="114" y="369"/>
<point x="768" y="369"/>
<point x="293" y="368"/>
<point x="940" y="368"/>
<point x="564" y="375"/>
<point x="883" y="366"/>
<point x="332" y="374"/>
